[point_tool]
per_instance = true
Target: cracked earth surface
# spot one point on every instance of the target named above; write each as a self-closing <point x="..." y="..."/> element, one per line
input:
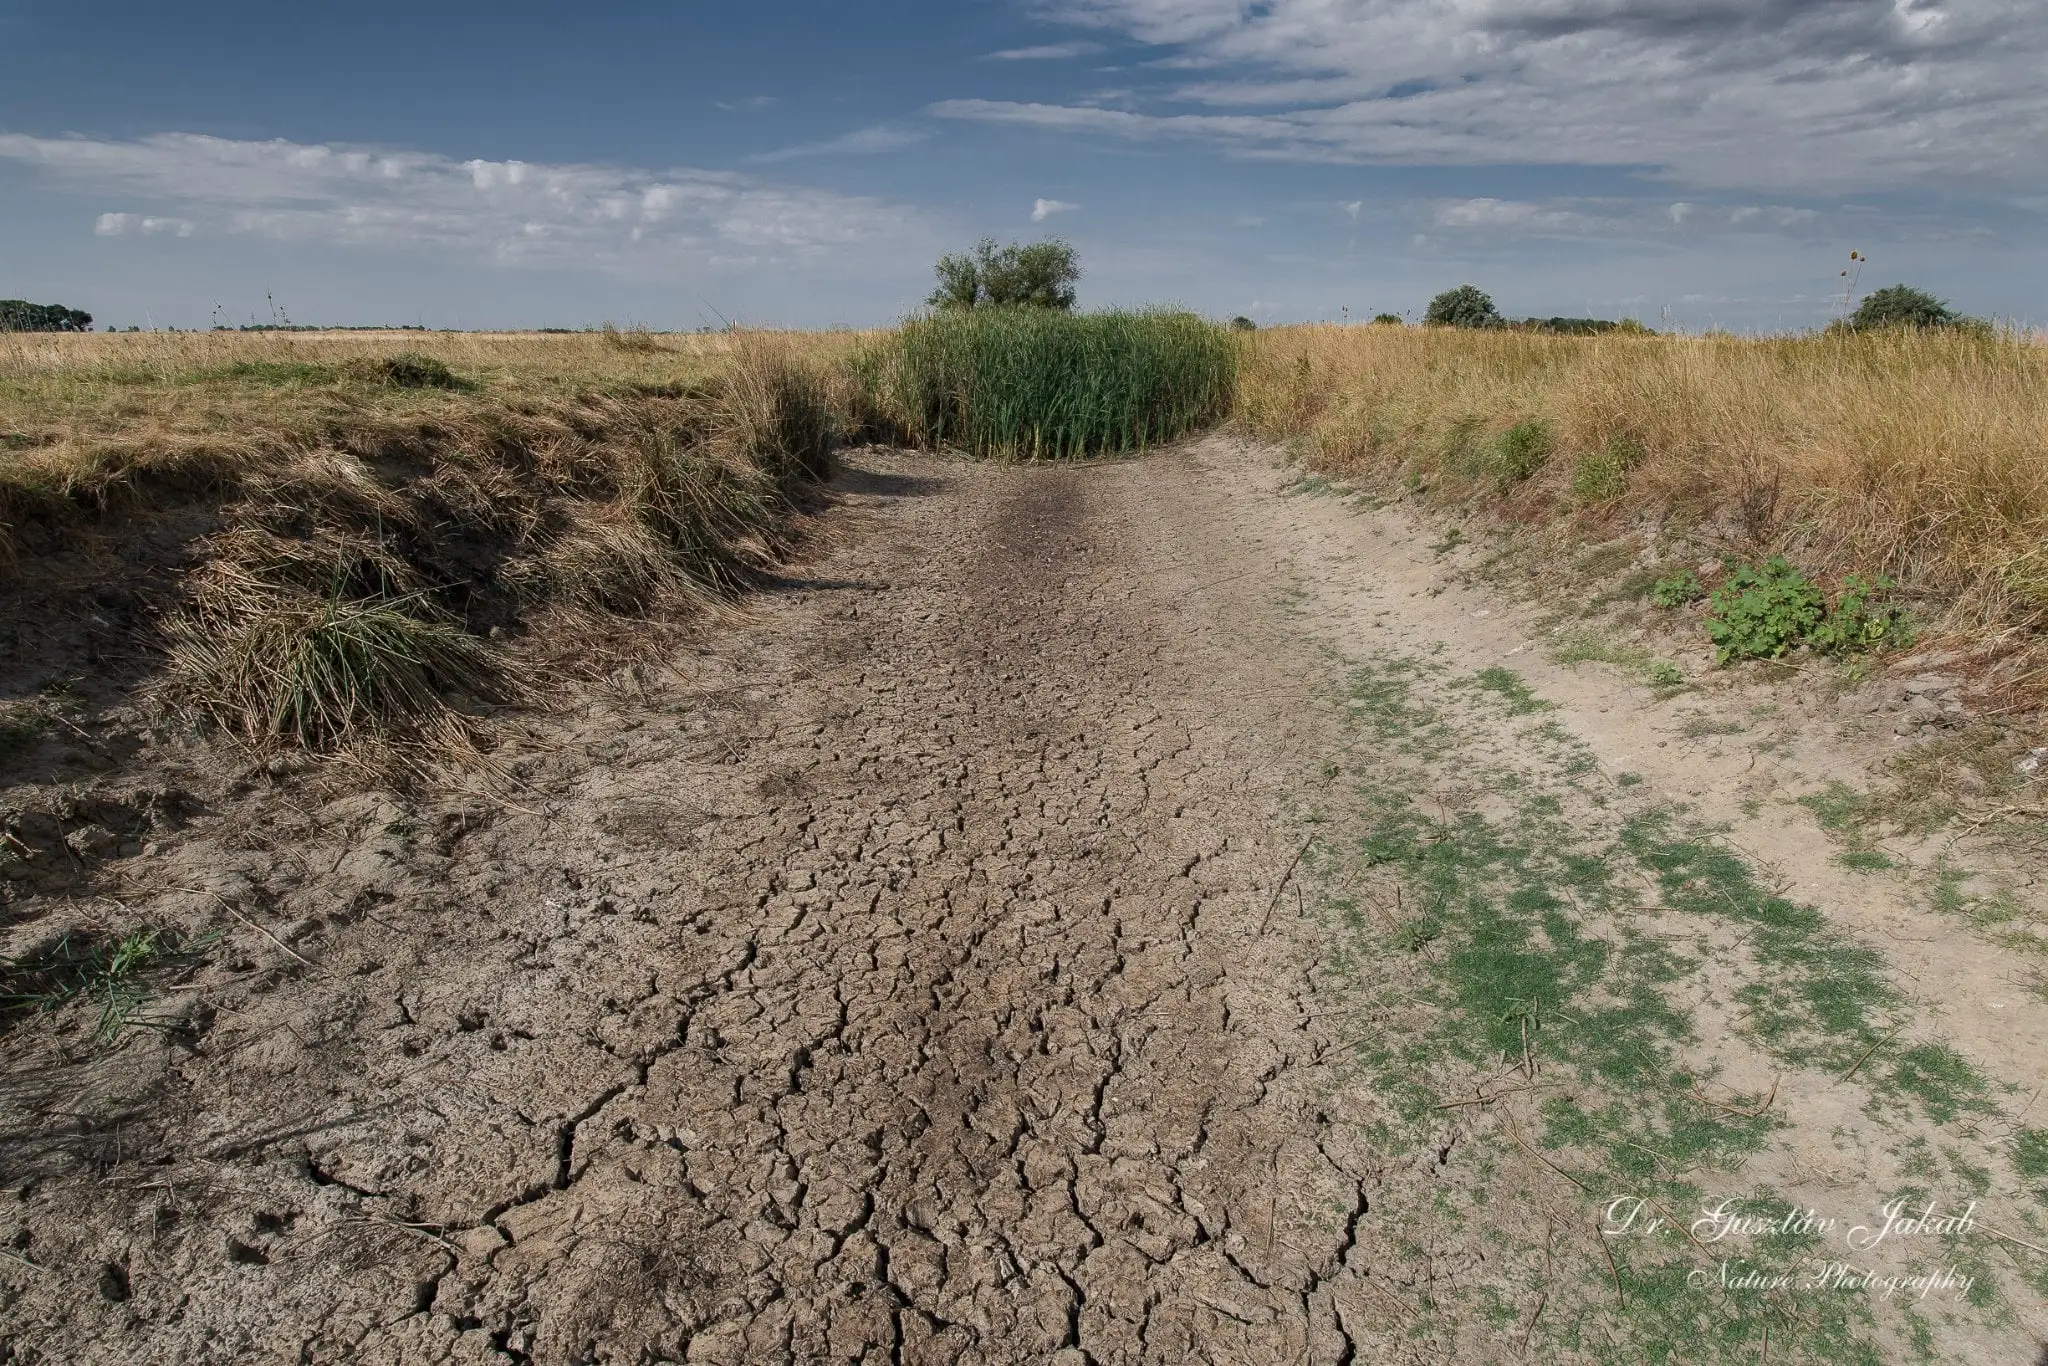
<point x="924" y="967"/>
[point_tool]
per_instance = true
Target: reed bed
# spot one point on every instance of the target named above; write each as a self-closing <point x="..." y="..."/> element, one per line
<point x="1023" y="383"/>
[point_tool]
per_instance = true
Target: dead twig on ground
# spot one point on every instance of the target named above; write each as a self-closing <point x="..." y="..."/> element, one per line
<point x="1285" y="878"/>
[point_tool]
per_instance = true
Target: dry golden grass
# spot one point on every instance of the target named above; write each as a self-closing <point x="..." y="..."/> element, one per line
<point x="381" y="501"/>
<point x="1923" y="455"/>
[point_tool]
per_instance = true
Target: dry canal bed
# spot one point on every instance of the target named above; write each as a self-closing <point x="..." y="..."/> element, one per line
<point x="1102" y="913"/>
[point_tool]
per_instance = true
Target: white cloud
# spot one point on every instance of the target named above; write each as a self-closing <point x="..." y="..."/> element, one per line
<point x="1815" y="94"/>
<point x="1512" y="214"/>
<point x="616" y="219"/>
<point x="1043" y="209"/>
<point x="119" y="224"/>
<point x="860" y="142"/>
<point x="1047" y="52"/>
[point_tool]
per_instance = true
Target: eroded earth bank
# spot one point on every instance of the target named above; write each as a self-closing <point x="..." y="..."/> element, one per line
<point x="1084" y="914"/>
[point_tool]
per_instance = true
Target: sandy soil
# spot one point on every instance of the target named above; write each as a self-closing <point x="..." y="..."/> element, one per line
<point x="925" y="967"/>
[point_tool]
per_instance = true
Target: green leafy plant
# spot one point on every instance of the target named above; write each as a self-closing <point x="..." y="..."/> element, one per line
<point x="1664" y="674"/>
<point x="1676" y="590"/>
<point x="1860" y="621"/>
<point x="1243" y="324"/>
<point x="1390" y="318"/>
<point x="1763" y="611"/>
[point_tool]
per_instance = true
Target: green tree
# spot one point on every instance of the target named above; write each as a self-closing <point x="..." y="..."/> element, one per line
<point x="1465" y="306"/>
<point x="19" y="315"/>
<point x="1387" y="319"/>
<point x="1243" y="324"/>
<point x="1040" y="275"/>
<point x="1902" y="306"/>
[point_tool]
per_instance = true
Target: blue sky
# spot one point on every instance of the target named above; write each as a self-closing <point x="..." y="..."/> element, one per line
<point x="789" y="162"/>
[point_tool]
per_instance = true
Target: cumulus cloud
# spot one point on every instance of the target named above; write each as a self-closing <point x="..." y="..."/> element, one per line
<point x="1043" y="209"/>
<point x="512" y="212"/>
<point x="1839" y="95"/>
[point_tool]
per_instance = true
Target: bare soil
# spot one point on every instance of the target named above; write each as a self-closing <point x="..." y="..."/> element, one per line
<point x="986" y="948"/>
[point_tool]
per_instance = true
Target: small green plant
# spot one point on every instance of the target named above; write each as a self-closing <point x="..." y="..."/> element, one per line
<point x="1860" y="622"/>
<point x="1763" y="611"/>
<point x="1523" y="449"/>
<point x="1676" y="590"/>
<point x="1664" y="674"/>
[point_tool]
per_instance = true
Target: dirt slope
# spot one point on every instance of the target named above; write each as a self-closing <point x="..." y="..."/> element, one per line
<point x="1092" y="914"/>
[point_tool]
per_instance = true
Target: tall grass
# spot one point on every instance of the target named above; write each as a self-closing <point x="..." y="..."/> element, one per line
<point x="1921" y="454"/>
<point x="1025" y="383"/>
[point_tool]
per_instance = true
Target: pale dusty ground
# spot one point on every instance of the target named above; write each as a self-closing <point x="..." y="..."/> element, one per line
<point x="919" y="969"/>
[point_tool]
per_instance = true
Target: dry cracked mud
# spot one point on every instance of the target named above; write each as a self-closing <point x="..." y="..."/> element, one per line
<point x="1113" y="913"/>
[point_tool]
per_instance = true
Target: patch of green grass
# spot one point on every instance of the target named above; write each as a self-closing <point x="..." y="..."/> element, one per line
<point x="110" y="974"/>
<point x="1943" y="1080"/>
<point x="1866" y="860"/>
<point x="2030" y="1154"/>
<point x="1508" y="684"/>
<point x="1453" y="538"/>
<point x="1523" y="449"/>
<point x="1838" y="807"/>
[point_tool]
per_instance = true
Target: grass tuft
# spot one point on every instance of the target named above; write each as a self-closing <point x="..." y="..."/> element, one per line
<point x="321" y="673"/>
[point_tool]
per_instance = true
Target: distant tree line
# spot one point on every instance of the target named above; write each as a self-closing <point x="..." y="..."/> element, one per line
<point x="19" y="315"/>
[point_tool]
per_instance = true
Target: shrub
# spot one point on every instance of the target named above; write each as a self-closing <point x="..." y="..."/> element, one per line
<point x="1676" y="590"/>
<point x="1522" y="450"/>
<point x="1465" y="306"/>
<point x="1243" y="324"/>
<point x="1393" y="318"/>
<point x="1763" y="611"/>
<point x="1040" y="275"/>
<point x="1033" y="383"/>
<point x="1903" y="306"/>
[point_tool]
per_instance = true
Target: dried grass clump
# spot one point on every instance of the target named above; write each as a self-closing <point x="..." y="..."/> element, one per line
<point x="327" y="673"/>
